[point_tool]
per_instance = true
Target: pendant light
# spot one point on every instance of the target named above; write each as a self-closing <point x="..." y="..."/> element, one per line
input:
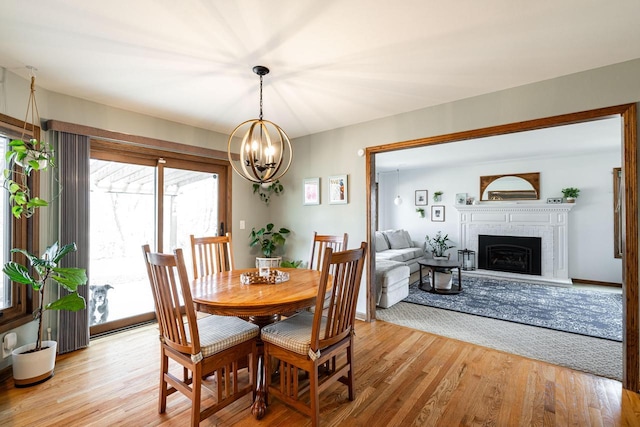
<point x="265" y="150"/>
<point x="398" y="200"/>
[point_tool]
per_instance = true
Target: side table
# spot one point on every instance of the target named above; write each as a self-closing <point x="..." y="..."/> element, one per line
<point x="433" y="265"/>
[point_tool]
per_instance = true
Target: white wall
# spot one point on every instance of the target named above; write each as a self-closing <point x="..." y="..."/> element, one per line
<point x="591" y="220"/>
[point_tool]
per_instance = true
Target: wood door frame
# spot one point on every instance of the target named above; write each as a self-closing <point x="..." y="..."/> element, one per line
<point x="630" y="292"/>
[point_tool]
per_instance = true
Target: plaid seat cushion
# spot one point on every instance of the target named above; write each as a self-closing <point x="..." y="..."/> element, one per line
<point x="218" y="333"/>
<point x="293" y="333"/>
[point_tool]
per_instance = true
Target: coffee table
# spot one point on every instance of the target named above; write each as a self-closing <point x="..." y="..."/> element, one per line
<point x="433" y="265"/>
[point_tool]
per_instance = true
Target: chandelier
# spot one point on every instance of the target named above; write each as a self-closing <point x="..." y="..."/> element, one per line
<point x="265" y="150"/>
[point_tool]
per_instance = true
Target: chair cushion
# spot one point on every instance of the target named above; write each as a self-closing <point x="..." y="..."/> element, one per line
<point x="293" y="333"/>
<point x="218" y="333"/>
<point x="397" y="239"/>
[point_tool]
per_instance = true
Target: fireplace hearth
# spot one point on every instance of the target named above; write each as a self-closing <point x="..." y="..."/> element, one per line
<point x="512" y="254"/>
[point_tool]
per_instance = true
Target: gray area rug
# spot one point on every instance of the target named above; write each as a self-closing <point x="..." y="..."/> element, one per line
<point x="585" y="312"/>
<point x="592" y="355"/>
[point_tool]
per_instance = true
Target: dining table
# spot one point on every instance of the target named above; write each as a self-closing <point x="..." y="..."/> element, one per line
<point x="261" y="303"/>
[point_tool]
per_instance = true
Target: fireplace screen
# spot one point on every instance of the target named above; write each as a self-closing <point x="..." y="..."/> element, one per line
<point x="510" y="254"/>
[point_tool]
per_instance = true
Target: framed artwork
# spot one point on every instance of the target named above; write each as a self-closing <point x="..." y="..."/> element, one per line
<point x="311" y="191"/>
<point x="437" y="213"/>
<point x="338" y="190"/>
<point x="461" y="198"/>
<point x="421" y="197"/>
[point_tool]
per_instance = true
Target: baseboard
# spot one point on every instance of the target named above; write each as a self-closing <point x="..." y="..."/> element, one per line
<point x="597" y="283"/>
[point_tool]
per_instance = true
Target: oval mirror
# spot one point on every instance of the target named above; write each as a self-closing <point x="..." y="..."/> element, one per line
<point x="517" y="186"/>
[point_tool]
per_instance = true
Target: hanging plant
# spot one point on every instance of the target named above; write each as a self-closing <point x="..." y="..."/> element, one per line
<point x="266" y="191"/>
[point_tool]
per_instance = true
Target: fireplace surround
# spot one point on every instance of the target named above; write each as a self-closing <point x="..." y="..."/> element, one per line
<point x="548" y="222"/>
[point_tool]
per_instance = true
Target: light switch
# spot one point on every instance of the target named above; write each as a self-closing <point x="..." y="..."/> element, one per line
<point x="242" y="224"/>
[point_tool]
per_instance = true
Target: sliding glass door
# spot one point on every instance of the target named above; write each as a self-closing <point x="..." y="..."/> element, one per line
<point x="136" y="201"/>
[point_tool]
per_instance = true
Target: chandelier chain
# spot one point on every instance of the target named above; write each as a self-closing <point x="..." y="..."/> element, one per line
<point x="261" y="97"/>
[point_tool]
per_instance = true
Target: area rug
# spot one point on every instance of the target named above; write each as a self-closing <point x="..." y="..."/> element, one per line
<point x="585" y="312"/>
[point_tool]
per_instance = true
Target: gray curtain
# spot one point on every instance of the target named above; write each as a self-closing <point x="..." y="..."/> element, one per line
<point x="73" y="153"/>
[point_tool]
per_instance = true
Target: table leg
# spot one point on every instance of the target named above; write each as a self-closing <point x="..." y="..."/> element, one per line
<point x="259" y="406"/>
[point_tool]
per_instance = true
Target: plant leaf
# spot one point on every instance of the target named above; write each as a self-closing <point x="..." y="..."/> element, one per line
<point x="59" y="254"/>
<point x="18" y="273"/>
<point x="70" y="277"/>
<point x="71" y="302"/>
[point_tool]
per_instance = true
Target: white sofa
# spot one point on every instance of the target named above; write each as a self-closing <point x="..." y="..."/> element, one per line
<point x="396" y="259"/>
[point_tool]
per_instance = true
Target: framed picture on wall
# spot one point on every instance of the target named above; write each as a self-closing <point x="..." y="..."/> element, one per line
<point x="421" y="197"/>
<point x="311" y="191"/>
<point x="338" y="190"/>
<point x="437" y="213"/>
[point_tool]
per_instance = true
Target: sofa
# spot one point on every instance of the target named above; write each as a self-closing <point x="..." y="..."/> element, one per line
<point x="396" y="259"/>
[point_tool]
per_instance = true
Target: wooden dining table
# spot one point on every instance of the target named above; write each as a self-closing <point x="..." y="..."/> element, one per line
<point x="225" y="294"/>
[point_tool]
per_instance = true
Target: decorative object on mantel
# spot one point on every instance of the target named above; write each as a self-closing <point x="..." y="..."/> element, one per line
<point x="420" y="212"/>
<point x="265" y="190"/>
<point x="265" y="149"/>
<point x="554" y="200"/>
<point x="421" y="197"/>
<point x="31" y="155"/>
<point x="516" y="186"/>
<point x="398" y="200"/>
<point x="571" y="194"/>
<point x="437" y="213"/>
<point x="437" y="196"/>
<point x="467" y="259"/>
<point x="461" y="198"/>
<point x="439" y="245"/>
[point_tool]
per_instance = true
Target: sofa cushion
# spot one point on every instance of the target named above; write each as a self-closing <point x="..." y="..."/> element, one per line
<point x="397" y="239"/>
<point x="381" y="242"/>
<point x="389" y="255"/>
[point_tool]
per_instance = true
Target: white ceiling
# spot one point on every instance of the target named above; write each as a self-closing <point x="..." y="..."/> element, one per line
<point x="333" y="62"/>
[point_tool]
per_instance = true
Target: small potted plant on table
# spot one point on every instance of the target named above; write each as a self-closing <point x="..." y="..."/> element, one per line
<point x="439" y="245"/>
<point x="269" y="240"/>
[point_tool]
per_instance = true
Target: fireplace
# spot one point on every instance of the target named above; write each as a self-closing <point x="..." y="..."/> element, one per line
<point x="512" y="254"/>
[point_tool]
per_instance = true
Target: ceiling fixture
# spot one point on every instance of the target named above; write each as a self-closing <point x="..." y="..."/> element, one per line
<point x="398" y="199"/>
<point x="265" y="151"/>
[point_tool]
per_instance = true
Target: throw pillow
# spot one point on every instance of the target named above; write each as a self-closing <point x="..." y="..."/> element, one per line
<point x="396" y="239"/>
<point x="381" y="242"/>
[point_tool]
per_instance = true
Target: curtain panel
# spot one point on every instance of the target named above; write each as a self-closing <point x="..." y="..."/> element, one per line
<point x="73" y="153"/>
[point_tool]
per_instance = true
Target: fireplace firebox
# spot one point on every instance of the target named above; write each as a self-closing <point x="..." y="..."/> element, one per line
<point x="511" y="254"/>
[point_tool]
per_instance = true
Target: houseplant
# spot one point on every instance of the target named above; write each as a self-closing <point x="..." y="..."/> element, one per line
<point x="439" y="245"/>
<point x="437" y="196"/>
<point x="27" y="369"/>
<point x="571" y="194"/>
<point x="420" y="212"/>
<point x="266" y="190"/>
<point x="268" y="239"/>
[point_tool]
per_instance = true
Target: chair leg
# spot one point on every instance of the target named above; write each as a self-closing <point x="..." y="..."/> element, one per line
<point x="350" y="372"/>
<point x="314" y="396"/>
<point x="196" y="390"/>
<point x="162" y="397"/>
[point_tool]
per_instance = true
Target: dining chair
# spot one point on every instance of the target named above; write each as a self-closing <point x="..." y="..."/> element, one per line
<point x="211" y="254"/>
<point x="212" y="345"/>
<point x="320" y="242"/>
<point x="313" y="342"/>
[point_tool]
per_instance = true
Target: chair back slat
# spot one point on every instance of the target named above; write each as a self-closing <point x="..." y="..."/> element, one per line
<point x="211" y="255"/>
<point x="321" y="242"/>
<point x="344" y="269"/>
<point x="173" y="302"/>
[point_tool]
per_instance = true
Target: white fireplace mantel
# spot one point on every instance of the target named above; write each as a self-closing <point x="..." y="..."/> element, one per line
<point x="550" y="222"/>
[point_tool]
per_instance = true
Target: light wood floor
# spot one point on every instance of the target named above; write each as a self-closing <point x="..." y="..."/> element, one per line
<point x="403" y="377"/>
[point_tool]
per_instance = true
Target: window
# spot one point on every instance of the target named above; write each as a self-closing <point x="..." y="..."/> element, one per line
<point x="15" y="299"/>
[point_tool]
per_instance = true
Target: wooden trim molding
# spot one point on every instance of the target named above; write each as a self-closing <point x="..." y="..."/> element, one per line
<point x="631" y="304"/>
<point x="135" y="139"/>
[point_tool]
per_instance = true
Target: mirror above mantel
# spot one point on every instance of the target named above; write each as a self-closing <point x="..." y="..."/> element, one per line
<point x="516" y="186"/>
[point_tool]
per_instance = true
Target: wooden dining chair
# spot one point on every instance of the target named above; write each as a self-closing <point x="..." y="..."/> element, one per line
<point x="321" y="345"/>
<point x="211" y="255"/>
<point x="212" y="345"/>
<point x="320" y="242"/>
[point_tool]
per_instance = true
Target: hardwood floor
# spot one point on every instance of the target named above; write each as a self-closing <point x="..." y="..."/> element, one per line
<point x="403" y="377"/>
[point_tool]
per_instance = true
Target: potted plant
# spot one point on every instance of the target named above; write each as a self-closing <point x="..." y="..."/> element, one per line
<point x="34" y="363"/>
<point x="420" y="212"/>
<point x="29" y="156"/>
<point x="571" y="194"/>
<point x="437" y="196"/>
<point x="266" y="190"/>
<point x="439" y="245"/>
<point x="268" y="239"/>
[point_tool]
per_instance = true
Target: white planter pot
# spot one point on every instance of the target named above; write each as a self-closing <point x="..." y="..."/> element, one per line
<point x="442" y="281"/>
<point x="35" y="367"/>
<point x="268" y="262"/>
<point x="33" y="155"/>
